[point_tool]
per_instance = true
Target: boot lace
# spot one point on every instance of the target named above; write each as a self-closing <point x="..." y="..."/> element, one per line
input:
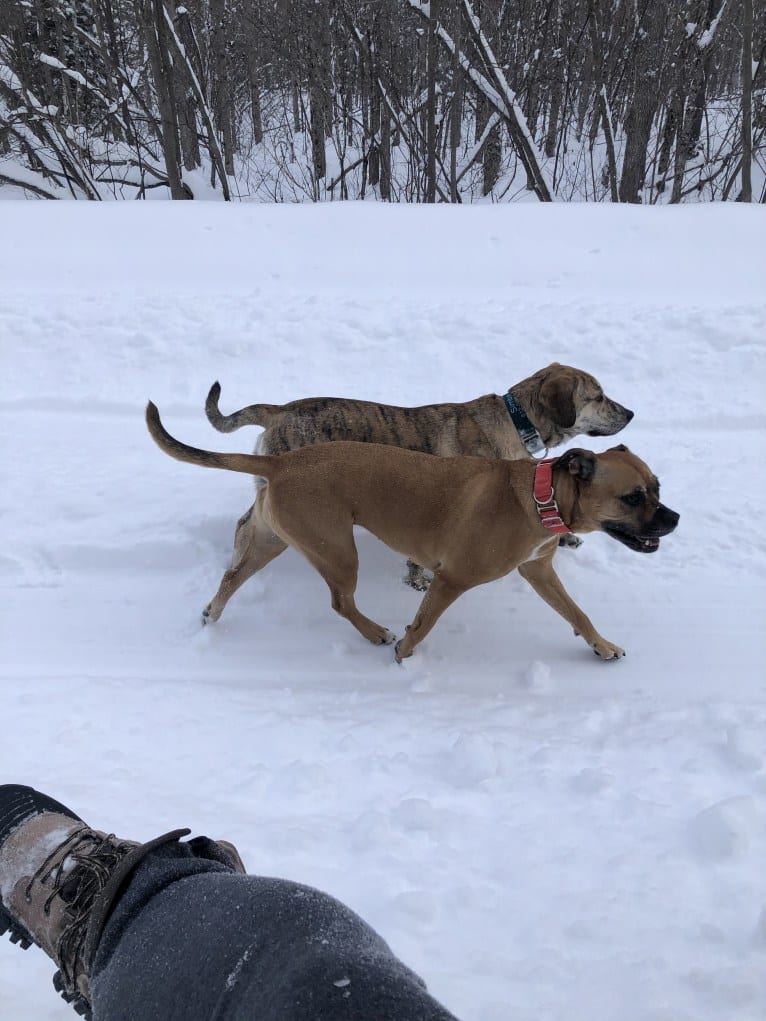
<point x="77" y="877"/>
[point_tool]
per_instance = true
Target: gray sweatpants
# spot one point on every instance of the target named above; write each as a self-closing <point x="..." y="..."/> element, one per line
<point x="190" y="940"/>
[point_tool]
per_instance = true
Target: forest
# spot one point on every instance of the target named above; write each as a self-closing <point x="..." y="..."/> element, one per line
<point x="394" y="100"/>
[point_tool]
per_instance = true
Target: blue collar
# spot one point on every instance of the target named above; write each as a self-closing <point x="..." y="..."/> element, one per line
<point x="530" y="437"/>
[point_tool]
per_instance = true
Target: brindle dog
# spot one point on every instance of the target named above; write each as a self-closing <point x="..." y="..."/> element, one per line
<point x="558" y="403"/>
<point x="470" y="520"/>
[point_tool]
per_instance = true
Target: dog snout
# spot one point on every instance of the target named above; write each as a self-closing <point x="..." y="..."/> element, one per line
<point x="666" y="519"/>
<point x="612" y="418"/>
<point x="621" y="413"/>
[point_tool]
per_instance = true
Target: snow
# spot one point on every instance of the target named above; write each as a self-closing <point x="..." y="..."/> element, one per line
<point x="13" y="171"/>
<point x="14" y="866"/>
<point x="709" y="34"/>
<point x="538" y="833"/>
<point x="54" y="62"/>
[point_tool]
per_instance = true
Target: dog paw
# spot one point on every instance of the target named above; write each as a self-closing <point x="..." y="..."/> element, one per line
<point x="605" y="650"/>
<point x="570" y="540"/>
<point x="398" y="652"/>
<point x="387" y="638"/>
<point x="419" y="582"/>
<point x="417" y="577"/>
<point x="207" y="616"/>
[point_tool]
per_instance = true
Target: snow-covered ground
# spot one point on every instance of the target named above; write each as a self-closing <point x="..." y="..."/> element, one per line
<point x="542" y="835"/>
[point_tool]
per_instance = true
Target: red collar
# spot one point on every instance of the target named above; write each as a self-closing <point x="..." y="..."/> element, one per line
<point x="545" y="498"/>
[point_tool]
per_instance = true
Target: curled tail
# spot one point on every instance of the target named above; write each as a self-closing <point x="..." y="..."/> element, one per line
<point x="249" y="464"/>
<point x="254" y="414"/>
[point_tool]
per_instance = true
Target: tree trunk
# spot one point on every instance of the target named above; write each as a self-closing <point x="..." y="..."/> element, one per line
<point x="746" y="194"/>
<point x="256" y="115"/>
<point x="694" y="60"/>
<point x="162" y="70"/>
<point x="296" y="104"/>
<point x="433" y="59"/>
<point x="373" y="119"/>
<point x="642" y="108"/>
<point x="456" y="109"/>
<point x="669" y="132"/>
<point x="558" y="71"/>
<point x="319" y="128"/>
<point x="601" y="98"/>
<point x="254" y="83"/>
<point x="385" y="156"/>
<point x="383" y="58"/>
<point x="184" y="97"/>
<point x="223" y="99"/>
<point x="492" y="151"/>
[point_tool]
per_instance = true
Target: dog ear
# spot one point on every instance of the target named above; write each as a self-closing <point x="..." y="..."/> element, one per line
<point x="579" y="463"/>
<point x="621" y="447"/>
<point x="556" y="396"/>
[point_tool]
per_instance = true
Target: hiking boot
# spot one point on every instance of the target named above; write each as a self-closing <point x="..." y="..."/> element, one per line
<point x="59" y="880"/>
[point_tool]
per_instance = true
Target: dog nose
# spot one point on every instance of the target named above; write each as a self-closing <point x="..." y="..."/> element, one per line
<point x="669" y="517"/>
<point x="628" y="415"/>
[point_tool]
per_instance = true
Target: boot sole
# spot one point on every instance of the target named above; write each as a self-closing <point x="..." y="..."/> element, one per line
<point x="76" y="1000"/>
<point x="19" y="935"/>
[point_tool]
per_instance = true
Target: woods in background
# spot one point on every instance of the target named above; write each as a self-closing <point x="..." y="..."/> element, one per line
<point x="398" y="100"/>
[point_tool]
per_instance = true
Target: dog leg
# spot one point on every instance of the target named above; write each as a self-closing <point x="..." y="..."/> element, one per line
<point x="439" y="596"/>
<point x="255" y="545"/>
<point x="338" y="563"/>
<point x="343" y="603"/>
<point x="547" y="584"/>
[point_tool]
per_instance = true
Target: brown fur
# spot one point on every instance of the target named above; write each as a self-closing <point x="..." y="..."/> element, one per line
<point x="470" y="520"/>
<point x="559" y="400"/>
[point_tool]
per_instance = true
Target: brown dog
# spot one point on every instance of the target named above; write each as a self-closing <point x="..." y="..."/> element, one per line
<point x="549" y="408"/>
<point x="470" y="520"/>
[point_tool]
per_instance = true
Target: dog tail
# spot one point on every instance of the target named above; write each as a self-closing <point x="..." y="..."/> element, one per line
<point x="249" y="464"/>
<point x="255" y="414"/>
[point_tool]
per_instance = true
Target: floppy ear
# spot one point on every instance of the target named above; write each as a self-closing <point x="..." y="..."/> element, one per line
<point x="556" y="397"/>
<point x="579" y="463"/>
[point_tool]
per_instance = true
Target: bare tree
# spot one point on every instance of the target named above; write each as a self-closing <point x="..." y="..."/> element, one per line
<point x="746" y="194"/>
<point x="397" y="99"/>
<point x="433" y="61"/>
<point x="642" y="101"/>
<point x="601" y="96"/>
<point x="498" y="93"/>
<point x="161" y="63"/>
<point x="185" y="99"/>
<point x="221" y="84"/>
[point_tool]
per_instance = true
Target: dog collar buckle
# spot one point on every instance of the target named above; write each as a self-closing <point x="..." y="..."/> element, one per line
<point x="545" y="497"/>
<point x="529" y="436"/>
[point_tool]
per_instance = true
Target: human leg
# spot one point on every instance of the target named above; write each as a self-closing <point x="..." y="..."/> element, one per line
<point x="247" y="948"/>
<point x="175" y="930"/>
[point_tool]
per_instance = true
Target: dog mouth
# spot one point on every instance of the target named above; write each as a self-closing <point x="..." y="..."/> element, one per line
<point x="608" y="430"/>
<point x="639" y="543"/>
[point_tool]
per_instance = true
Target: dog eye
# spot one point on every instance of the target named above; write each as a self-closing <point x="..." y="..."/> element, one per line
<point x="634" y="499"/>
